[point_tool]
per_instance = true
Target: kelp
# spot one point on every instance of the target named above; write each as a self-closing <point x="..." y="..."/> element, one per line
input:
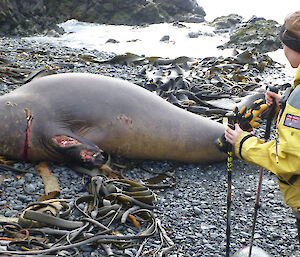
<point x="112" y="205"/>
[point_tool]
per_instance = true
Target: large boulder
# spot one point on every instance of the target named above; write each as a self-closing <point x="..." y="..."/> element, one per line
<point x="226" y="23"/>
<point x="256" y="34"/>
<point x="35" y="16"/>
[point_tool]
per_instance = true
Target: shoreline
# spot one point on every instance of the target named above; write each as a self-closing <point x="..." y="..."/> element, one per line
<point x="194" y="210"/>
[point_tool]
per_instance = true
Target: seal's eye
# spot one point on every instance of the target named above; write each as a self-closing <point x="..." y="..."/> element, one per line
<point x="64" y="141"/>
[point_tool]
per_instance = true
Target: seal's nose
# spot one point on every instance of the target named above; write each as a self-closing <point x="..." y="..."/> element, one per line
<point x="97" y="160"/>
<point x="91" y="158"/>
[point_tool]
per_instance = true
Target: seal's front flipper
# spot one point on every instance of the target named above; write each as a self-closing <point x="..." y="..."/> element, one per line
<point x="79" y="150"/>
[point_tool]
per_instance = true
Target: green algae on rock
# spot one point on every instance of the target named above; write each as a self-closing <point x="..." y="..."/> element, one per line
<point x="258" y="34"/>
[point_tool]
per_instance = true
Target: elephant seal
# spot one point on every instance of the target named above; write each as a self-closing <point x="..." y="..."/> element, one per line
<point x="72" y="117"/>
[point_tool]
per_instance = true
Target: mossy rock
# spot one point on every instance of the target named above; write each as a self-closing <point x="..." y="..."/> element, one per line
<point x="226" y="22"/>
<point x="261" y="35"/>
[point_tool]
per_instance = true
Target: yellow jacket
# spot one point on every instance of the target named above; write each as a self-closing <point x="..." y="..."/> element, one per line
<point x="287" y="169"/>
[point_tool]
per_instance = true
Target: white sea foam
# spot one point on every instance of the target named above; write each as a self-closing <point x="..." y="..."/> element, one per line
<point x="141" y="40"/>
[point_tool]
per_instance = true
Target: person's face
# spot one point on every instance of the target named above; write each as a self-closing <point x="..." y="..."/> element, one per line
<point x="292" y="56"/>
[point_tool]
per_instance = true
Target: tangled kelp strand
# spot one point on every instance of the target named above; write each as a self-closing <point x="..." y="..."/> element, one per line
<point x="110" y="206"/>
<point x="230" y="77"/>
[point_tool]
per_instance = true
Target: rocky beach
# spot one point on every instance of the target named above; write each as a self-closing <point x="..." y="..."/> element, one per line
<point x="192" y="211"/>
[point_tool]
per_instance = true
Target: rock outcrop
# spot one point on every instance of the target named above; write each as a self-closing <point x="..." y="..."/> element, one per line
<point x="256" y="34"/>
<point x="37" y="16"/>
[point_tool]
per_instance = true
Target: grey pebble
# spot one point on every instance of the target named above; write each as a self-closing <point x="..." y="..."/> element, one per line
<point x="197" y="211"/>
<point x="21" y="181"/>
<point x="28" y="176"/>
<point x="3" y="202"/>
<point x="31" y="188"/>
<point x="10" y="213"/>
<point x="248" y="194"/>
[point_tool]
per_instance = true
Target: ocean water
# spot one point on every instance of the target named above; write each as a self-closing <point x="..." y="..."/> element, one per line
<point x="146" y="40"/>
<point x="141" y="40"/>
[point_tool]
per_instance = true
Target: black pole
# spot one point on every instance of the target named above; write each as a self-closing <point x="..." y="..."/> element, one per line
<point x="228" y="215"/>
<point x="231" y="124"/>
<point x="266" y="136"/>
<point x="256" y="208"/>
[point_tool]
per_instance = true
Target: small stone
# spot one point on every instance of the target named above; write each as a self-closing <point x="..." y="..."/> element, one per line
<point x="3" y="202"/>
<point x="257" y="235"/>
<point x="23" y="197"/>
<point x="21" y="181"/>
<point x="179" y="237"/>
<point x="194" y="34"/>
<point x="28" y="176"/>
<point x="17" y="202"/>
<point x="18" y="207"/>
<point x="177" y="194"/>
<point x="204" y="226"/>
<point x="165" y="38"/>
<point x="247" y="194"/>
<point x="113" y="41"/>
<point x="11" y="213"/>
<point x="30" y="188"/>
<point x="197" y="211"/>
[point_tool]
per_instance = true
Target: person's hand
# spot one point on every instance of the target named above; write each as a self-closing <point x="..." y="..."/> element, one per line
<point x="270" y="96"/>
<point x="232" y="135"/>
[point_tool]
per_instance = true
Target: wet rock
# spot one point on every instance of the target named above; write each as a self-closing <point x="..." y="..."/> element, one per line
<point x="10" y="213"/>
<point x="113" y="41"/>
<point x="30" y="188"/>
<point x="54" y="32"/>
<point x="197" y="210"/>
<point x="194" y="34"/>
<point x="178" y="24"/>
<point x="257" y="34"/>
<point x="247" y="194"/>
<point x="224" y="23"/>
<point x="28" y="176"/>
<point x="22" y="197"/>
<point x="165" y="38"/>
<point x="41" y="16"/>
<point x="2" y="203"/>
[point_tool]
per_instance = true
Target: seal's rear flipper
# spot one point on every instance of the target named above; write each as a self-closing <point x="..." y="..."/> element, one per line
<point x="79" y="150"/>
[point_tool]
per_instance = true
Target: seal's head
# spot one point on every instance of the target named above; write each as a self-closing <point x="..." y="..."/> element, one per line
<point x="83" y="153"/>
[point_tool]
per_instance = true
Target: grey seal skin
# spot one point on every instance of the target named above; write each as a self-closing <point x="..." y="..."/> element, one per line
<point x="72" y="117"/>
